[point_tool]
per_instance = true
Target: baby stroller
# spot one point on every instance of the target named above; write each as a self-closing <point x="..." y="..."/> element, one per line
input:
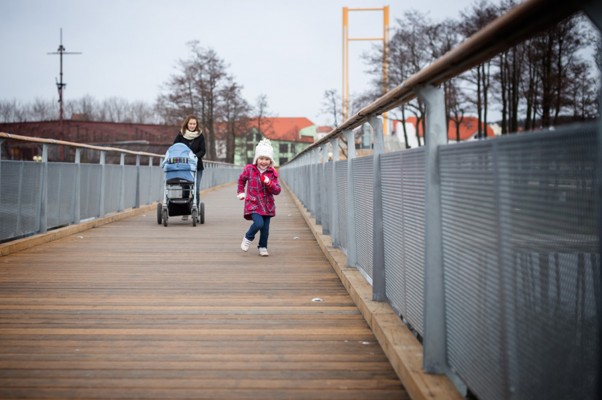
<point x="179" y="193"/>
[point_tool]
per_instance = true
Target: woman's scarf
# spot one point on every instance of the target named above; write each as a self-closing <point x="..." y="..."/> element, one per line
<point x="190" y="135"/>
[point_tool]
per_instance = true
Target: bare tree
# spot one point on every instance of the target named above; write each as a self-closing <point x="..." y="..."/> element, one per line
<point x="472" y="21"/>
<point x="196" y="89"/>
<point x="331" y="105"/>
<point x="43" y="110"/>
<point x="416" y="41"/>
<point x="235" y="115"/>
<point x="86" y="106"/>
<point x="261" y="111"/>
<point x="555" y="63"/>
<point x="582" y="96"/>
<point x="13" y="111"/>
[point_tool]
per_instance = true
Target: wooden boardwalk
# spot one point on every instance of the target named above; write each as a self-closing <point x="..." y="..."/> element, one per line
<point x="133" y="309"/>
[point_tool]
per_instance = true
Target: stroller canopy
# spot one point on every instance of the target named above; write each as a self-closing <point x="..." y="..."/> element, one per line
<point x="179" y="157"/>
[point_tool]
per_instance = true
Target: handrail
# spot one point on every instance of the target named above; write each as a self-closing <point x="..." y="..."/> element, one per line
<point x="520" y="23"/>
<point x="74" y="144"/>
<point x="89" y="146"/>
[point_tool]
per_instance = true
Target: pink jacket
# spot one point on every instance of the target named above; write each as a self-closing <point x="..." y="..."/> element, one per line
<point x="259" y="196"/>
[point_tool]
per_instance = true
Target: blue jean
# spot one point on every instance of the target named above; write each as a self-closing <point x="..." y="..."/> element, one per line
<point x="197" y="187"/>
<point x="261" y="224"/>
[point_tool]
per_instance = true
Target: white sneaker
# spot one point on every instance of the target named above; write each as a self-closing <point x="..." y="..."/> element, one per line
<point x="263" y="252"/>
<point x="245" y="244"/>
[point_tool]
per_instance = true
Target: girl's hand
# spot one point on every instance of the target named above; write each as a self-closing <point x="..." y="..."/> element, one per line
<point x="241" y="196"/>
<point x="266" y="180"/>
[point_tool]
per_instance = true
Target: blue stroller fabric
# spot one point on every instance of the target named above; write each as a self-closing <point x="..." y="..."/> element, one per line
<point x="180" y="162"/>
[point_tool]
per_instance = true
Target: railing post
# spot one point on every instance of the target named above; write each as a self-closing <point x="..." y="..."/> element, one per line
<point x="77" y="189"/>
<point x="316" y="185"/>
<point x="309" y="179"/>
<point x="44" y="190"/>
<point x="325" y="222"/>
<point x="351" y="243"/>
<point x="310" y="189"/>
<point x="20" y="196"/>
<point x="334" y="198"/>
<point x="379" y="288"/>
<point x="149" y="196"/>
<point x="103" y="179"/>
<point x="435" y="360"/>
<point x="160" y="187"/>
<point x="122" y="183"/>
<point x="137" y="199"/>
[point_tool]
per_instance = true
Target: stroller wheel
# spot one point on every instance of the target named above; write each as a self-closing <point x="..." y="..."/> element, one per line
<point x="194" y="217"/>
<point x="202" y="213"/>
<point x="159" y="214"/>
<point x="164" y="217"/>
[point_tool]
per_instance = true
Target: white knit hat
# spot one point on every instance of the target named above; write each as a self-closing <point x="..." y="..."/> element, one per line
<point x="264" y="149"/>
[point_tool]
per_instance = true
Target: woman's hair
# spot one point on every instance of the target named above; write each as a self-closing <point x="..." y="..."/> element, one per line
<point x="184" y="126"/>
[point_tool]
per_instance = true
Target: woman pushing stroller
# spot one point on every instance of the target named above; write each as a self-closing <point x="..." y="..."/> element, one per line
<point x="192" y="136"/>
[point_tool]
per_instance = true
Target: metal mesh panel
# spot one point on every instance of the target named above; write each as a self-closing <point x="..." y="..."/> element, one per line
<point x="61" y="199"/>
<point x="306" y="189"/>
<point x="20" y="198"/>
<point x="317" y="185"/>
<point x="521" y="263"/>
<point x="300" y="179"/>
<point x="29" y="198"/>
<point x="129" y="199"/>
<point x="403" y="221"/>
<point x="341" y="175"/>
<point x="473" y="316"/>
<point x="145" y="185"/>
<point x="413" y="209"/>
<point x="395" y="267"/>
<point x="9" y="198"/>
<point x="90" y="191"/>
<point x="207" y="180"/>
<point x="112" y="187"/>
<point x="309" y="188"/>
<point x="157" y="182"/>
<point x="361" y="170"/>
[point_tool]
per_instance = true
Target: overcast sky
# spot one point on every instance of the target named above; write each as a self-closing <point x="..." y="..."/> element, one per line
<point x="289" y="50"/>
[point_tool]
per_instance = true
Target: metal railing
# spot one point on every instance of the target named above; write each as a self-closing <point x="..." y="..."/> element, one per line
<point x="488" y="250"/>
<point x="37" y="196"/>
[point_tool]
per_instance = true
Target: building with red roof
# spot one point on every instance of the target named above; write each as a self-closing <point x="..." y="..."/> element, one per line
<point x="468" y="130"/>
<point x="289" y="136"/>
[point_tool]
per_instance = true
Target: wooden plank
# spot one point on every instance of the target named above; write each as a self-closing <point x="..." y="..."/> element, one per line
<point x="133" y="309"/>
<point x="398" y="342"/>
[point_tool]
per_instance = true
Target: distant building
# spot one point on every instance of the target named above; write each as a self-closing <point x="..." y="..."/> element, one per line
<point x="136" y="137"/>
<point x="468" y="130"/>
<point x="289" y="136"/>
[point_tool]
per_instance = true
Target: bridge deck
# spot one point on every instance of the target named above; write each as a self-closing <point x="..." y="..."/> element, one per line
<point x="133" y="309"/>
